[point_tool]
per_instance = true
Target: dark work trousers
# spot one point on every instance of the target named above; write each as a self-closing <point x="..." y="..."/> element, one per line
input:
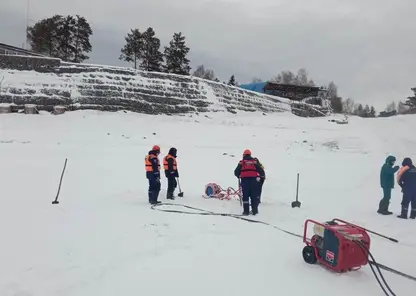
<point x="171" y="186"/>
<point x="250" y="188"/>
<point x="154" y="189"/>
<point x="409" y="198"/>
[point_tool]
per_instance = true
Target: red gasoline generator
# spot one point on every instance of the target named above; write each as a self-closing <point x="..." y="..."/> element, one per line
<point x="338" y="245"/>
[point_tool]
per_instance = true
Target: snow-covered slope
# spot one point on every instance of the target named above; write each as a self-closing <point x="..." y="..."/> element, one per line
<point x="103" y="238"/>
<point x="84" y="86"/>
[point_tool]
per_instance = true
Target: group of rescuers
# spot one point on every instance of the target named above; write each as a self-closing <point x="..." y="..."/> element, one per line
<point x="406" y="178"/>
<point x="251" y="175"/>
<point x="249" y="171"/>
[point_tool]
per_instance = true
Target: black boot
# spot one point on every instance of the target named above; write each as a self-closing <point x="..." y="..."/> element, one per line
<point x="387" y="209"/>
<point x="169" y="195"/>
<point x="413" y="214"/>
<point x="155" y="195"/>
<point x="383" y="207"/>
<point x="150" y="196"/>
<point x="403" y="215"/>
<point x="246" y="209"/>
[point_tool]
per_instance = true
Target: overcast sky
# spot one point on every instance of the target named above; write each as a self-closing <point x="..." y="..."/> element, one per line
<point x="367" y="47"/>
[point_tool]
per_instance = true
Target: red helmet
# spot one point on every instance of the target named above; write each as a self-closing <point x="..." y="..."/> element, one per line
<point x="156" y="148"/>
<point x="247" y="152"/>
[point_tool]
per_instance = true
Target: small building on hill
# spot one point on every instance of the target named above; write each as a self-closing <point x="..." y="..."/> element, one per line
<point x="6" y="49"/>
<point x="301" y="96"/>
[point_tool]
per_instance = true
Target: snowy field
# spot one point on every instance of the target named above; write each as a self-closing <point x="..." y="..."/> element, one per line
<point x="103" y="239"/>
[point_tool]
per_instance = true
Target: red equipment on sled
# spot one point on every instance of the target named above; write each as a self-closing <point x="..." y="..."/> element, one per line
<point x="213" y="190"/>
<point x="339" y="246"/>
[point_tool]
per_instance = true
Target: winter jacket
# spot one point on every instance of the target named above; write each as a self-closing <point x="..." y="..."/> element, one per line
<point x="152" y="165"/>
<point x="406" y="177"/>
<point x="253" y="169"/>
<point x="170" y="165"/>
<point x="387" y="173"/>
<point x="262" y="166"/>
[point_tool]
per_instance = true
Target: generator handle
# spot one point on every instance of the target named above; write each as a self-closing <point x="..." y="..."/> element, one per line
<point x="370" y="231"/>
<point x="305" y="229"/>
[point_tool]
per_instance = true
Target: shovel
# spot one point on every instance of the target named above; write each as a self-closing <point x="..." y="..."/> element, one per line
<point x="296" y="204"/>
<point x="55" y="202"/>
<point x="180" y="194"/>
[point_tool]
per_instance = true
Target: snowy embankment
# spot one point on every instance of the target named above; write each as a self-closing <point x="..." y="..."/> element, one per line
<point x="83" y="86"/>
<point x="103" y="238"/>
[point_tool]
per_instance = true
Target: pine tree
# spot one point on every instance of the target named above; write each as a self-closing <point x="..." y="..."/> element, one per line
<point x="61" y="37"/>
<point x="366" y="111"/>
<point x="372" y="112"/>
<point x="175" y="56"/>
<point x="43" y="36"/>
<point x="65" y="31"/>
<point x="358" y="110"/>
<point x="337" y="104"/>
<point x="81" y="39"/>
<point x="152" y="58"/>
<point x="133" y="49"/>
<point x="411" y="101"/>
<point x="232" y="80"/>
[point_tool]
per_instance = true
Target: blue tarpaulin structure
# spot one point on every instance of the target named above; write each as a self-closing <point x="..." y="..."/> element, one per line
<point x="257" y="87"/>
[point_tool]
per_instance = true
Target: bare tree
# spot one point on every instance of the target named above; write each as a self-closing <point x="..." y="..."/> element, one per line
<point x="201" y="72"/>
<point x="402" y="108"/>
<point x="391" y="107"/>
<point x="348" y="106"/>
<point x="302" y="77"/>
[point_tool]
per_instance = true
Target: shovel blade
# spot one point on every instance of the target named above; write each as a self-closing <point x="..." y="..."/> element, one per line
<point x="296" y="204"/>
<point x="55" y="202"/>
<point x="180" y="194"/>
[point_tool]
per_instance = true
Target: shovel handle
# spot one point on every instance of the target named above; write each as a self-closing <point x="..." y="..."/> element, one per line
<point x="297" y="188"/>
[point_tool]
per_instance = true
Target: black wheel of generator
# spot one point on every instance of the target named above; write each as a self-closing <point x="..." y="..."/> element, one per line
<point x="308" y="254"/>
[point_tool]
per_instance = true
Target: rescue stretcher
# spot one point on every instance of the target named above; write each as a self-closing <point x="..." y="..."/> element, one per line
<point x="213" y="190"/>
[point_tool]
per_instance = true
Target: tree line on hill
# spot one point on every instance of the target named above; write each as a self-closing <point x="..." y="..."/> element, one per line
<point x="68" y="38"/>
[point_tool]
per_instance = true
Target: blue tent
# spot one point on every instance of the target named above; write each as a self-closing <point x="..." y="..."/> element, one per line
<point x="257" y="87"/>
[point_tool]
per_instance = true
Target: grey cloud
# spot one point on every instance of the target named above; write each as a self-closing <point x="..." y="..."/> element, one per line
<point x="364" y="46"/>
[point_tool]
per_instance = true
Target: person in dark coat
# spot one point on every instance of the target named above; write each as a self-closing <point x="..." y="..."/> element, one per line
<point x="248" y="171"/>
<point x="407" y="181"/>
<point x="171" y="171"/>
<point x="262" y="179"/>
<point x="152" y="167"/>
<point x="387" y="184"/>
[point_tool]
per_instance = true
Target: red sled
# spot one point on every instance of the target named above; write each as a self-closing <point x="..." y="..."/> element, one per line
<point x="213" y="190"/>
<point x="338" y="245"/>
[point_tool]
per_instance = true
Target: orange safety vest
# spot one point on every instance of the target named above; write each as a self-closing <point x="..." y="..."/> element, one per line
<point x="148" y="164"/>
<point x="165" y="162"/>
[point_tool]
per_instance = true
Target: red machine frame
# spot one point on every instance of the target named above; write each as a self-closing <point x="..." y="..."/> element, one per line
<point x="342" y="237"/>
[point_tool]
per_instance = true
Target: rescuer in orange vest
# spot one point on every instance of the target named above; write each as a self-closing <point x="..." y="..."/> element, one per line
<point x="171" y="171"/>
<point x="249" y="171"/>
<point x="152" y="167"/>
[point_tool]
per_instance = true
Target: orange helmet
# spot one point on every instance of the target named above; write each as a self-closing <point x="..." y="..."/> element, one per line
<point x="156" y="148"/>
<point x="247" y="152"/>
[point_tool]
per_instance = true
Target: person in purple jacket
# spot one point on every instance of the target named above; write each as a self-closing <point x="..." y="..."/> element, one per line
<point x="406" y="178"/>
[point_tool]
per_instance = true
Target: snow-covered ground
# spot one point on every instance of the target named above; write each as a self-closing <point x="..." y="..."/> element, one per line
<point x="103" y="238"/>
